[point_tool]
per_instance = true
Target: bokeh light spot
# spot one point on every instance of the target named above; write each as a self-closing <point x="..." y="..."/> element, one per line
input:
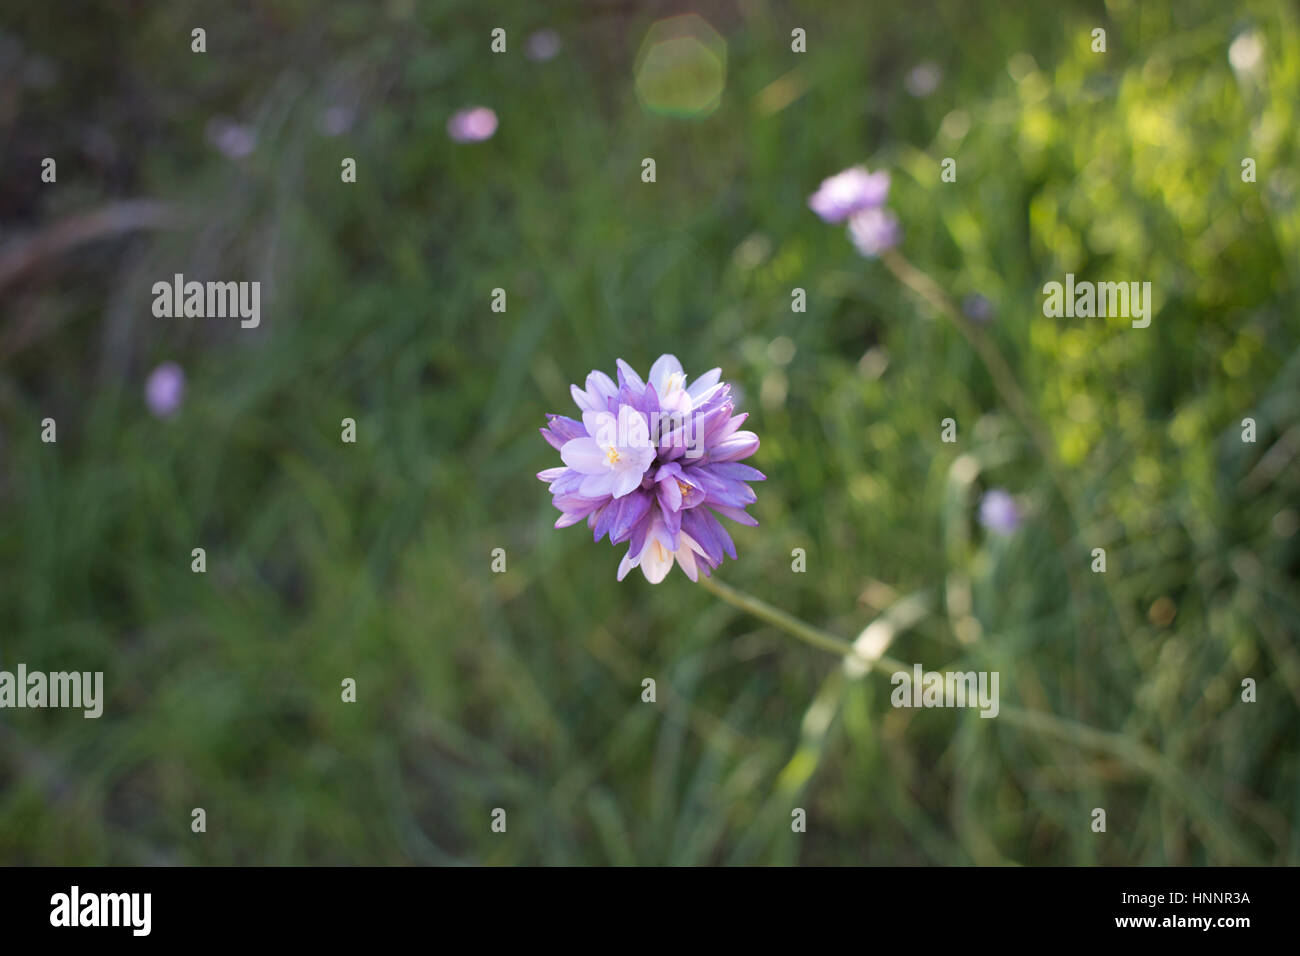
<point x="681" y="69"/>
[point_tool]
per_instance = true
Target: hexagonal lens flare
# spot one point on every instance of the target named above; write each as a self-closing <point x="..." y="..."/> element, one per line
<point x="681" y="68"/>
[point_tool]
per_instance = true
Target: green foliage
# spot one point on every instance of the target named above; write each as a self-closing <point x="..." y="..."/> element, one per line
<point x="522" y="690"/>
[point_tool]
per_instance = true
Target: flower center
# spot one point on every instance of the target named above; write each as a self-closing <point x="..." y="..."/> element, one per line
<point x="612" y="455"/>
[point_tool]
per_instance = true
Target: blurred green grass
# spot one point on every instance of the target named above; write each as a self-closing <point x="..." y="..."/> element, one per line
<point x="522" y="690"/>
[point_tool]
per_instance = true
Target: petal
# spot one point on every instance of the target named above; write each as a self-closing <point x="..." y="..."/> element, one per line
<point x="656" y="562"/>
<point x="601" y="425"/>
<point x="559" y="429"/>
<point x="567" y="519"/>
<point x="702" y="385"/>
<point x="664" y="367"/>
<point x="626" y="565"/>
<point x="671" y="468"/>
<point x="728" y="428"/>
<point x="740" y="445"/>
<point x="597" y="486"/>
<point x="673" y="525"/>
<point x="625" y="482"/>
<point x="632" y="509"/>
<point x="728" y="545"/>
<point x="633" y="432"/>
<point x="702" y="531"/>
<point x="670" y="495"/>
<point x="600" y="388"/>
<point x="583" y="455"/>
<point x="628" y="377"/>
<point x="687" y="560"/>
<point x="736" y="471"/>
<point x="739" y="515"/>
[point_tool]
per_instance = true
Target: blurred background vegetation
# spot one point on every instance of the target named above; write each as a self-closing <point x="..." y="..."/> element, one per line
<point x="522" y="690"/>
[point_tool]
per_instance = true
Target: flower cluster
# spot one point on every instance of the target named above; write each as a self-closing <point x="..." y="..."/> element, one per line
<point x="859" y="196"/>
<point x="650" y="463"/>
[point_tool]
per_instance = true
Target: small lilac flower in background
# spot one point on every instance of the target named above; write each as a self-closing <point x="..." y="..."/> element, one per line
<point x="873" y="231"/>
<point x="336" y="120"/>
<point x="542" y="46"/>
<point x="233" y="140"/>
<point x="923" y="79"/>
<point x="977" y="308"/>
<point x="472" y="125"/>
<point x="998" y="512"/>
<point x="165" y="389"/>
<point x="653" y="463"/>
<point x="849" y="192"/>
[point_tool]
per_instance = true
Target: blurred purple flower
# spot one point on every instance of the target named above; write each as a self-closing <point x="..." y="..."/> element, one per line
<point x="650" y="463"/>
<point x="977" y="308"/>
<point x="542" y="45"/>
<point x="337" y="120"/>
<point x="999" y="513"/>
<point x="923" y="79"/>
<point x="846" y="193"/>
<point x="233" y="140"/>
<point x="165" y="389"/>
<point x="472" y="125"/>
<point x="873" y="231"/>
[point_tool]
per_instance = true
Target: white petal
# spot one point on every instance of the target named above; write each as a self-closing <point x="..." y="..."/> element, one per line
<point x="625" y="482"/>
<point x="665" y="366"/>
<point x="656" y="562"/>
<point x="687" y="560"/>
<point x="584" y="456"/>
<point x="626" y="565"/>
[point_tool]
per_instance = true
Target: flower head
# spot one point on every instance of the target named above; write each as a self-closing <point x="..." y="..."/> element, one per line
<point x="165" y="389"/>
<point x="923" y="79"/>
<point x="542" y="45"/>
<point x="851" y="191"/>
<point x="472" y="125"/>
<point x="873" y="231"/>
<point x="977" y="308"/>
<point x="233" y="140"/>
<point x="999" y="512"/>
<point x="652" y="463"/>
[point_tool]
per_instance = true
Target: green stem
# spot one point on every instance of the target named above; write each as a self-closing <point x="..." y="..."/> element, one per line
<point x="792" y="625"/>
<point x="1227" y="841"/>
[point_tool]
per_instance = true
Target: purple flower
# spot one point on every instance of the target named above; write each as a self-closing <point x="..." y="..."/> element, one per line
<point x="999" y="513"/>
<point x="849" y="192"/>
<point x="923" y="79"/>
<point x="472" y="125"/>
<point x="653" y="463"/>
<point x="233" y="140"/>
<point x="337" y="119"/>
<point x="977" y="308"/>
<point x="542" y="45"/>
<point x="165" y="389"/>
<point x="873" y="231"/>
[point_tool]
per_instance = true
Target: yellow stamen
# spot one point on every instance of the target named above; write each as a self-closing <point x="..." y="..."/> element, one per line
<point x="612" y="456"/>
